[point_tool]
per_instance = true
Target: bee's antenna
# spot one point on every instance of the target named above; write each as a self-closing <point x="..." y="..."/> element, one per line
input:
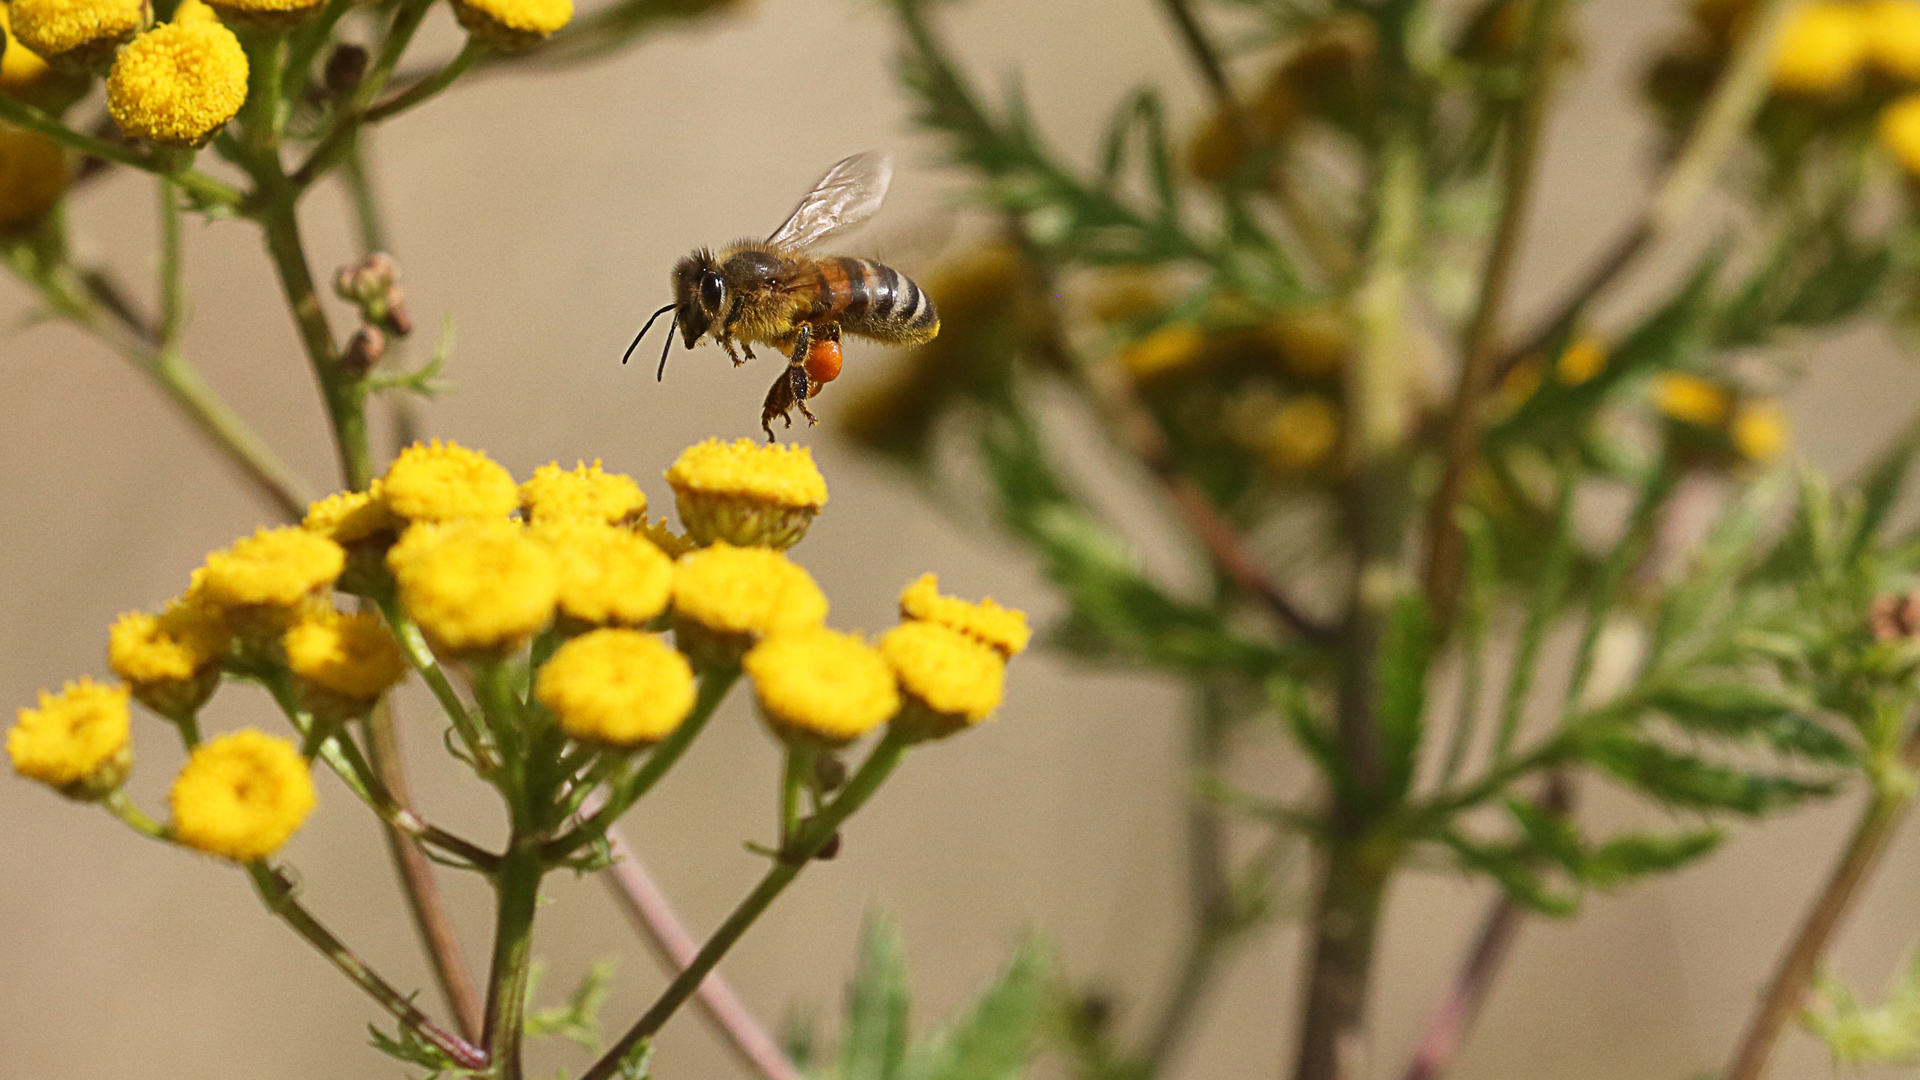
<point x="661" y="375"/>
<point x="643" y="333"/>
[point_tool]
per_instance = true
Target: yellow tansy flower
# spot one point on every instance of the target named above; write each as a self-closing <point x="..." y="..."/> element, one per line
<point x="619" y="687"/>
<point x="263" y="14"/>
<point x="33" y="176"/>
<point x="819" y="684"/>
<point x="172" y="659"/>
<point x="607" y="574"/>
<point x="194" y="11"/>
<point x="999" y="628"/>
<point x="747" y="493"/>
<point x="1759" y="431"/>
<point x="352" y="656"/>
<point x="1893" y="36"/>
<point x="725" y="597"/>
<point x="1304" y="430"/>
<point x="1822" y="47"/>
<point x="77" y="741"/>
<point x="241" y="796"/>
<point x="1690" y="399"/>
<point x="24" y="76"/>
<point x="1314" y="342"/>
<point x="347" y="516"/>
<point x="1899" y="129"/>
<point x="512" y="25"/>
<point x="177" y="84"/>
<point x="1584" y="359"/>
<point x="475" y="584"/>
<point x="1169" y="348"/>
<point x="950" y="680"/>
<point x="445" y="482"/>
<point x="586" y="492"/>
<point x="272" y="568"/>
<point x="673" y="543"/>
<point x="76" y="34"/>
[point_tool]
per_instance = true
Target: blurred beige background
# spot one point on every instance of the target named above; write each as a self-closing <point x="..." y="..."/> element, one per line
<point x="543" y="213"/>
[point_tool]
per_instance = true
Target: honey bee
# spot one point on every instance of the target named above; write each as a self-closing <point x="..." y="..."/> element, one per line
<point x="772" y="292"/>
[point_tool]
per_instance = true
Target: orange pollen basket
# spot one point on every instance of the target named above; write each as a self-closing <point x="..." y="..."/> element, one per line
<point x="823" y="363"/>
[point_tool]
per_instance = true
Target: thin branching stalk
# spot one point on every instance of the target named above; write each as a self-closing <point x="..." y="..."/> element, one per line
<point x="202" y="186"/>
<point x="470" y="54"/>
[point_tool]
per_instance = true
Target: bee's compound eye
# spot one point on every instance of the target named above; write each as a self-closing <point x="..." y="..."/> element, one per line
<point x="712" y="291"/>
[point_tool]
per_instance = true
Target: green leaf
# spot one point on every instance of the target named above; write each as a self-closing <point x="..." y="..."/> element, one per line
<point x="1881" y="488"/>
<point x="578" y="1020"/>
<point x="998" y="1038"/>
<point x="1685" y="780"/>
<point x="1889" y="1033"/>
<point x="408" y="1047"/>
<point x="1518" y="871"/>
<point x="875" y="1043"/>
<point x="1632" y="855"/>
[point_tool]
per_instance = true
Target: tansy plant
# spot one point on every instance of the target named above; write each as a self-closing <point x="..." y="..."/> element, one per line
<point x="576" y="648"/>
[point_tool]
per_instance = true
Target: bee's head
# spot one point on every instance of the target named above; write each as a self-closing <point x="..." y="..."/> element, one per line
<point x="699" y="294"/>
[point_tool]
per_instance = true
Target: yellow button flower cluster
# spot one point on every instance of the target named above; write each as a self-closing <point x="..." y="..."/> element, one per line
<point x="177" y="84"/>
<point x="585" y="492"/>
<point x="78" y="741"/>
<point x="616" y="687"/>
<point x="951" y="658"/>
<point x="77" y="35"/>
<point x="513" y="25"/>
<point x="747" y="493"/>
<point x="1708" y="413"/>
<point x="241" y="796"/>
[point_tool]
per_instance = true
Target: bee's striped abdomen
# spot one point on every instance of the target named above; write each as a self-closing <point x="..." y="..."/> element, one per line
<point x="875" y="301"/>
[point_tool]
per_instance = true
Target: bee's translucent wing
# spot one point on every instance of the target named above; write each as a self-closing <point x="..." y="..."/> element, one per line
<point x="850" y="193"/>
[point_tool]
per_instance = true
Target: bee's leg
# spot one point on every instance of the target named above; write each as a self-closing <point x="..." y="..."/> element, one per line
<point x="747" y="346"/>
<point x="727" y="343"/>
<point x="779" y="400"/>
<point x="800" y="386"/>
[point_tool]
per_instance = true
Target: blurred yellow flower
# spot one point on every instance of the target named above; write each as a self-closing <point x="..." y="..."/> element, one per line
<point x="76" y="33"/>
<point x="953" y="680"/>
<point x="820" y="684"/>
<point x="171" y="660"/>
<point x="471" y="585"/>
<point x="1822" y="47"/>
<point x="194" y="11"/>
<point x="1893" y="36"/>
<point x="673" y="543"/>
<point x="352" y="655"/>
<point x="24" y="76"/>
<point x="1759" y="431"/>
<point x="241" y="796"/>
<point x="1899" y="129"/>
<point x="78" y="741"/>
<point x="273" y="568"/>
<point x="1585" y="358"/>
<point x="607" y="574"/>
<point x="347" y="516"/>
<point x="269" y="15"/>
<point x="512" y="25"/>
<point x="446" y="481"/>
<point x="1169" y="348"/>
<point x="175" y="85"/>
<point x="585" y="492"/>
<point x="1314" y="342"/>
<point x="33" y="176"/>
<point x="747" y="493"/>
<point x="619" y="687"/>
<point x="1691" y="399"/>
<point x="741" y="590"/>
<point x="1303" y="432"/>
<point x="1001" y="629"/>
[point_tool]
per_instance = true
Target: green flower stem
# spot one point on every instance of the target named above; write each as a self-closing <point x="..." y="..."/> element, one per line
<point x="366" y="208"/>
<point x="202" y="186"/>
<point x="1728" y="111"/>
<point x="793" y="782"/>
<point x="500" y="708"/>
<point x="818" y="830"/>
<point x="117" y="804"/>
<point x="374" y="791"/>
<point x="420" y="655"/>
<point x="518" y="886"/>
<point x="473" y="52"/>
<point x="1787" y="990"/>
<point x="1480" y="350"/>
<point x="305" y="43"/>
<point x="714" y="684"/>
<point x="277" y="894"/>
<point x="338" y="142"/>
<point x="264" y="116"/>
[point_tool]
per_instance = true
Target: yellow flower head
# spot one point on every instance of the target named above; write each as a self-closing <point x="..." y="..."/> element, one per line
<point x="446" y="482"/>
<point x="747" y="493"/>
<point x="1584" y="359"/>
<point x="19" y="65"/>
<point x="741" y="590"/>
<point x="352" y="656"/>
<point x="1900" y="133"/>
<point x="1893" y="36"/>
<point x="619" y="687"/>
<point x="178" y="83"/>
<point x="24" y="76"/>
<point x="172" y="660"/>
<point x="1001" y="629"/>
<point x="77" y="741"/>
<point x="819" y="684"/>
<point x="241" y="796"/>
<point x="673" y="543"/>
<point x="1303" y="432"/>
<point x="475" y="584"/>
<point x="1314" y="342"/>
<point x="77" y="34"/>
<point x="512" y="25"/>
<point x="1170" y="348"/>
<point x="1690" y="399"/>
<point x="1759" y="431"/>
<point x="194" y="11"/>
<point x="607" y="574"/>
<point x="33" y="176"/>
<point x="951" y="681"/>
<point x="1822" y="48"/>
<point x="587" y="493"/>
<point x="262" y="14"/>
<point x="272" y="568"/>
<point x="347" y="516"/>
